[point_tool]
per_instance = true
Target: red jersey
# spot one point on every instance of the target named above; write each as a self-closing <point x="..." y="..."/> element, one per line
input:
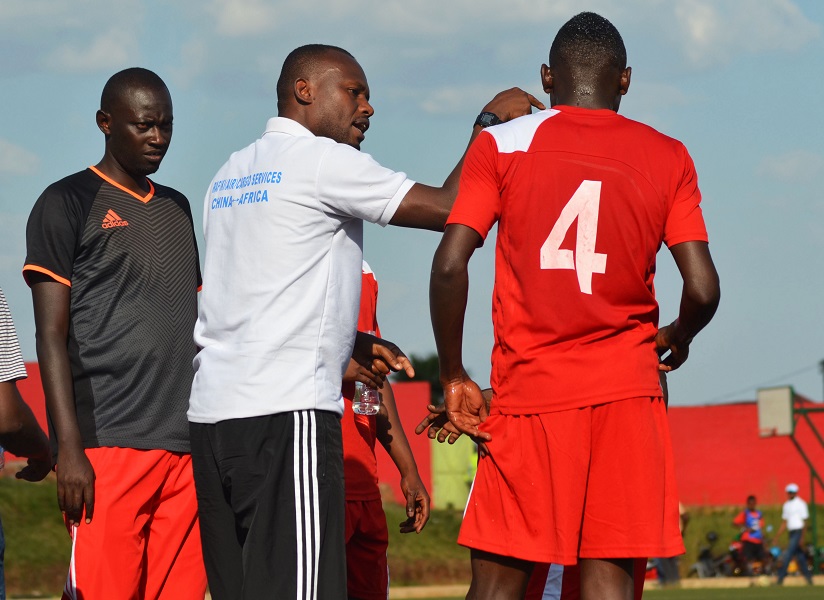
<point x="583" y="200"/>
<point x="360" y="468"/>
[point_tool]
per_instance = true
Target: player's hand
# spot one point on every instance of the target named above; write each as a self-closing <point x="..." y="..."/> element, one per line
<point x="357" y="372"/>
<point x="417" y="503"/>
<point x="671" y="339"/>
<point x="512" y="103"/>
<point x="36" y="469"/>
<point x="75" y="485"/>
<point x="465" y="406"/>
<point x="437" y="425"/>
<point x="378" y="357"/>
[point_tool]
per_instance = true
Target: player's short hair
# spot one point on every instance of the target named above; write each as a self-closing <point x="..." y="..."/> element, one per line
<point x="750" y="498"/>
<point x="300" y="63"/>
<point x="587" y="44"/>
<point x="122" y="82"/>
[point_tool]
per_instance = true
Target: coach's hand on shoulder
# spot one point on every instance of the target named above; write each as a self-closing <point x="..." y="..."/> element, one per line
<point x="512" y="103"/>
<point x="75" y="485"/>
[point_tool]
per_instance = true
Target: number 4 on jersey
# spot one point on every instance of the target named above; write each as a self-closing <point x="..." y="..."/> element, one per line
<point x="584" y="206"/>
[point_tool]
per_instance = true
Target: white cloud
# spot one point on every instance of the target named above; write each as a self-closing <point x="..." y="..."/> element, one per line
<point x="715" y="32"/>
<point x="235" y="18"/>
<point x="111" y="49"/>
<point x="15" y="160"/>
<point x="793" y="167"/>
<point x="450" y="100"/>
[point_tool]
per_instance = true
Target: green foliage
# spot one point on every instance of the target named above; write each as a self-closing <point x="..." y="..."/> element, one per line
<point x="426" y="369"/>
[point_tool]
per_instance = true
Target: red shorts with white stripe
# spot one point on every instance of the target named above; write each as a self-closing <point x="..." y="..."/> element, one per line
<point x="367" y="538"/>
<point x="144" y="538"/>
<point x="558" y="582"/>
<point x="594" y="482"/>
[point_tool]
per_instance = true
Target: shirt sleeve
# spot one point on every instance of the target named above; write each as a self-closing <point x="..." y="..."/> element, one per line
<point x="478" y="204"/>
<point x="353" y="184"/>
<point x="12" y="366"/>
<point x="685" y="221"/>
<point x="52" y="236"/>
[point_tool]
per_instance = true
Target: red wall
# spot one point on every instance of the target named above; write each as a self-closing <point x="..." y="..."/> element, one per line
<point x="719" y="457"/>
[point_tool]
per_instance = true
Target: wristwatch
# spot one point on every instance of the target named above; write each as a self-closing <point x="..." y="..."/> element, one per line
<point x="487" y="119"/>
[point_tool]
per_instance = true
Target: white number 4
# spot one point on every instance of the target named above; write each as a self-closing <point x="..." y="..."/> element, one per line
<point x="584" y="206"/>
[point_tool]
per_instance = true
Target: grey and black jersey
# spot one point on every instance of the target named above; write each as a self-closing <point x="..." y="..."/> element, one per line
<point x="132" y="266"/>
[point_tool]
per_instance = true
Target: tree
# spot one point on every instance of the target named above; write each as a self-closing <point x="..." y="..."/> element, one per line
<point x="426" y="369"/>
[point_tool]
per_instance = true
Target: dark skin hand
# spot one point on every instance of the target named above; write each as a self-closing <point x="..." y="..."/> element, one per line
<point x="374" y="358"/>
<point x="20" y="434"/>
<point x="75" y="475"/>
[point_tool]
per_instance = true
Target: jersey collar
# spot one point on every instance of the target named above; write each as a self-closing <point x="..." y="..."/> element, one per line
<point x="288" y="126"/>
<point x="143" y="199"/>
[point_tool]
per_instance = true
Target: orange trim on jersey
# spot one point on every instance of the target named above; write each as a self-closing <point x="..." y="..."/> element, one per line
<point x="54" y="276"/>
<point x="144" y="199"/>
<point x="200" y="288"/>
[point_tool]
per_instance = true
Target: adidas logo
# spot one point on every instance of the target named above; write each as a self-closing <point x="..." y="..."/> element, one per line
<point x="112" y="219"/>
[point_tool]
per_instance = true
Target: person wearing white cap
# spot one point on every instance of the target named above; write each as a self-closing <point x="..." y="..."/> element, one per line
<point x="794" y="513"/>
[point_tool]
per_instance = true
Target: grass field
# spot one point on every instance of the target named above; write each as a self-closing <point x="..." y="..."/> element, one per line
<point x="38" y="547"/>
<point x="769" y="593"/>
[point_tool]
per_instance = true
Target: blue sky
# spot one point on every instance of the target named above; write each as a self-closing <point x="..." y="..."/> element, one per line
<point x="740" y="83"/>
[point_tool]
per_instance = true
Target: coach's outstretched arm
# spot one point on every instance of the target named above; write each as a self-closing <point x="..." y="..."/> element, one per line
<point x="448" y="289"/>
<point x="699" y="300"/>
<point x="75" y="475"/>
<point x="427" y="207"/>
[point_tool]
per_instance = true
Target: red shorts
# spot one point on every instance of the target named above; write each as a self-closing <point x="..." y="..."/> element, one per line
<point x="144" y="538"/>
<point x="594" y="482"/>
<point x="367" y="538"/>
<point x="557" y="582"/>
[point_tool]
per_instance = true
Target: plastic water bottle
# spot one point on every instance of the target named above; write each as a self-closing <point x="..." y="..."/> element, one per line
<point x="367" y="401"/>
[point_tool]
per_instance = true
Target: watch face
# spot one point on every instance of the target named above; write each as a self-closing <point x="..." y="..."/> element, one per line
<point x="487" y="119"/>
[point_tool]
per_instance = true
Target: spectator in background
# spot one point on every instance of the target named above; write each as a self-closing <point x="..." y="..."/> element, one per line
<point x="751" y="522"/>
<point x="19" y="431"/>
<point x="794" y="514"/>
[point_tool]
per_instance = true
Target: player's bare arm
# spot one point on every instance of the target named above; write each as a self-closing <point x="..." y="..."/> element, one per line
<point x="427" y="207"/>
<point x="378" y="357"/>
<point x="448" y="289"/>
<point x="392" y="437"/>
<point x="75" y="475"/>
<point x="21" y="434"/>
<point x="699" y="300"/>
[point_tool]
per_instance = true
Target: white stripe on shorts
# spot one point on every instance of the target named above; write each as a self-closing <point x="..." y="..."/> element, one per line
<point x="307" y="510"/>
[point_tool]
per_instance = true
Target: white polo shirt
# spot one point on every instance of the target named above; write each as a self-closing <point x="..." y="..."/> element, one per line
<point x="283" y="223"/>
<point x="795" y="513"/>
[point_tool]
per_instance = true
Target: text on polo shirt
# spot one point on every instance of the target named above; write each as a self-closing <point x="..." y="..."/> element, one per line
<point x="238" y="183"/>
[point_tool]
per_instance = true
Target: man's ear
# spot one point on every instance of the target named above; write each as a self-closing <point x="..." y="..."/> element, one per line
<point x="626" y="76"/>
<point x="103" y="122"/>
<point x="546" y="78"/>
<point x="304" y="92"/>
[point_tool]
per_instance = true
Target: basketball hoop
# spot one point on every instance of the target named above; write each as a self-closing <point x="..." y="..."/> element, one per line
<point x="775" y="411"/>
